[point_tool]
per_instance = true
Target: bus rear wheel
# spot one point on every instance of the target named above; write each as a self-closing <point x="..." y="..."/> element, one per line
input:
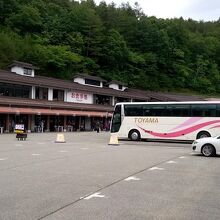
<point x="203" y="134"/>
<point x="134" y="135"/>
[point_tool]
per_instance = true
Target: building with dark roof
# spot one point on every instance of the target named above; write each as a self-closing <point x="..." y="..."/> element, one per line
<point x="50" y="104"/>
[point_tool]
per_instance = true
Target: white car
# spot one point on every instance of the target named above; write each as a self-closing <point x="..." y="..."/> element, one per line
<point x="207" y="146"/>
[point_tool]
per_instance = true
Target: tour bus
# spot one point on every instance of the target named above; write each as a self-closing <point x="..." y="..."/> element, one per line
<point x="166" y="120"/>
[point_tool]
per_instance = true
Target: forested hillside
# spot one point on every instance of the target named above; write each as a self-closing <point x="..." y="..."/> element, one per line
<point x="64" y="37"/>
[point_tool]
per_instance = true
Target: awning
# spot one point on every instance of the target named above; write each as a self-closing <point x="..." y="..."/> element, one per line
<point x="42" y="111"/>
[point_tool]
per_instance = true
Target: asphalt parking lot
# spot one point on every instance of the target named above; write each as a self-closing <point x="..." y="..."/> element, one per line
<point x="85" y="178"/>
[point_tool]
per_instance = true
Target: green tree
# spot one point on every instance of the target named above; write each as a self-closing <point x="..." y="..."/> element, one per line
<point x="115" y="51"/>
<point x="7" y="7"/>
<point x="26" y="20"/>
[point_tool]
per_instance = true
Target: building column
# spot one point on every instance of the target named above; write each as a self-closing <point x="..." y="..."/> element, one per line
<point x="50" y="94"/>
<point x="29" y="124"/>
<point x="113" y="101"/>
<point x="33" y="92"/>
<point x="65" y="95"/>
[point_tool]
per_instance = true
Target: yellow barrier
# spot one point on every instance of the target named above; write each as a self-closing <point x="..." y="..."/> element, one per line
<point x="113" y="140"/>
<point x="60" y="138"/>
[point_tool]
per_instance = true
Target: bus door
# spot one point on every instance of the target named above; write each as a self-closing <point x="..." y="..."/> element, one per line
<point x="116" y="120"/>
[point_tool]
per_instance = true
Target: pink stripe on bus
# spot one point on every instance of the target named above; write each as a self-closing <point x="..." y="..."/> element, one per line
<point x="187" y="122"/>
<point x="181" y="132"/>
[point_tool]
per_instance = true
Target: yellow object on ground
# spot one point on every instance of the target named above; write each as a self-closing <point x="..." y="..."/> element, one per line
<point x="60" y="138"/>
<point x="113" y="140"/>
<point x="19" y="131"/>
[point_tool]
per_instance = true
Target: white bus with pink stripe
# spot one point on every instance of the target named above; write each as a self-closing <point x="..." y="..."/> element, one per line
<point x="166" y="120"/>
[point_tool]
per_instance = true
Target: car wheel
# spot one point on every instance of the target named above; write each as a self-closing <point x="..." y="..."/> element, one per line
<point x="208" y="150"/>
<point x="134" y="135"/>
<point x="203" y="134"/>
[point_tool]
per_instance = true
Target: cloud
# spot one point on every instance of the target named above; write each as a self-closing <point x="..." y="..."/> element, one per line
<point x="195" y="9"/>
<point x="203" y="10"/>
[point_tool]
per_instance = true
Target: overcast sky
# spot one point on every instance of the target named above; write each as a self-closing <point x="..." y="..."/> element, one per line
<point x="207" y="10"/>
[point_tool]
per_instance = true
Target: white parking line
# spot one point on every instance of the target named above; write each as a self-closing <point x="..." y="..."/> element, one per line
<point x="131" y="178"/>
<point x="84" y="148"/>
<point x="171" y="161"/>
<point x="156" y="168"/>
<point x="18" y="145"/>
<point x="63" y="151"/>
<point x="35" y="154"/>
<point x="182" y="157"/>
<point x="3" y="158"/>
<point x="41" y="143"/>
<point x="95" y="195"/>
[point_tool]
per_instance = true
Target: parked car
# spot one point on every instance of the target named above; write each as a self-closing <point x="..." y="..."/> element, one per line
<point x="207" y="146"/>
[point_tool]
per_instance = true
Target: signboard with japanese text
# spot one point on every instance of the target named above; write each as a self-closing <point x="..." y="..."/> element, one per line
<point x="19" y="127"/>
<point x="79" y="97"/>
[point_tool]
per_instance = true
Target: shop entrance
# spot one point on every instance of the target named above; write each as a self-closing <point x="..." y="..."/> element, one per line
<point x="57" y="123"/>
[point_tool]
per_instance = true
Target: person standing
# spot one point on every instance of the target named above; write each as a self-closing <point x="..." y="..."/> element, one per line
<point x="97" y="126"/>
<point x="42" y="126"/>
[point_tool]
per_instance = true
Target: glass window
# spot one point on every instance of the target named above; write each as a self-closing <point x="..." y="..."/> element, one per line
<point x="2" y="90"/>
<point x="120" y="87"/>
<point x="26" y="93"/>
<point x="133" y="110"/>
<point x="154" y="110"/>
<point x="92" y="82"/>
<point x="203" y="110"/>
<point x="27" y="71"/>
<point x="178" y="110"/>
<point x="210" y="110"/>
<point x="12" y="90"/>
<point x="218" y="110"/>
<point x="18" y="92"/>
<point x="147" y="110"/>
<point x="197" y="110"/>
<point x="41" y="93"/>
<point x="102" y="100"/>
<point x="58" y="95"/>
<point x="120" y="99"/>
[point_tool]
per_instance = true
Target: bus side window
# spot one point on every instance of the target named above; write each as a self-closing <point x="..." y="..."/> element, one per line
<point x="158" y="110"/>
<point x="183" y="111"/>
<point x="197" y="111"/>
<point x="218" y="110"/>
<point x="178" y="110"/>
<point x="147" y="110"/>
<point x="204" y="110"/>
<point x="133" y="110"/>
<point x="210" y="110"/>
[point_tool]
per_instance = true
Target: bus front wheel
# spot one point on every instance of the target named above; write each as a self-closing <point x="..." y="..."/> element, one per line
<point x="203" y="134"/>
<point x="134" y="135"/>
